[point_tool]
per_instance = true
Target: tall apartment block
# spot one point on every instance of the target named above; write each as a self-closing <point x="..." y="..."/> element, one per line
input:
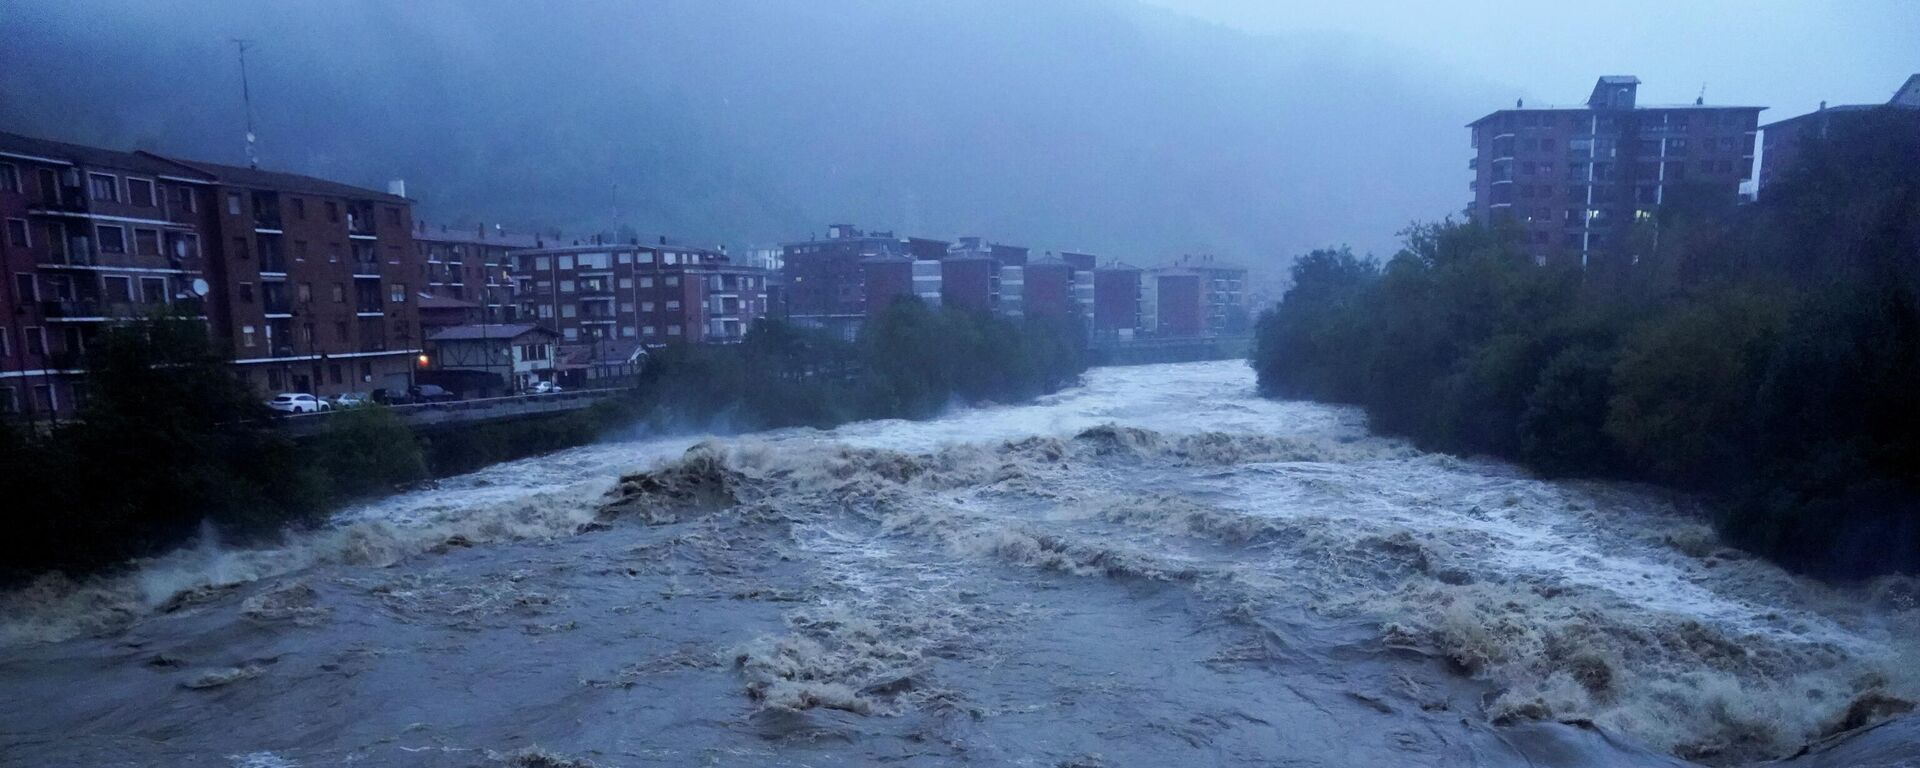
<point x="306" y="284"/>
<point x="1574" y="179"/>
<point x="620" y="296"/>
<point x="1783" y="140"/>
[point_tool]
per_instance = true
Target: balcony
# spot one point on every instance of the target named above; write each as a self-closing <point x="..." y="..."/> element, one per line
<point x="281" y="349"/>
<point x="266" y="219"/>
<point x="273" y="264"/>
<point x="66" y="200"/>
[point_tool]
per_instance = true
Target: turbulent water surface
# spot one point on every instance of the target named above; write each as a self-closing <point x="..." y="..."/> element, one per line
<point x="1157" y="568"/>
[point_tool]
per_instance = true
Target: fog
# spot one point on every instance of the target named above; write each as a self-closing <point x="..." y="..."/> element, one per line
<point x="1128" y="130"/>
<point x="1133" y="130"/>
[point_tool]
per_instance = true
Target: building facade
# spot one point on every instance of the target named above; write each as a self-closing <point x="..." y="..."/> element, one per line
<point x="472" y="264"/>
<point x="647" y="295"/>
<point x="1573" y="180"/>
<point x="304" y="283"/>
<point x="91" y="236"/>
<point x="317" y="282"/>
<point x="492" y="359"/>
<point x="824" y="278"/>
<point x="1116" y="301"/>
<point x="1782" y="141"/>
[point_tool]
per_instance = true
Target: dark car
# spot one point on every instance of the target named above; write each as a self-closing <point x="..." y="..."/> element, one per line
<point x="430" y="393"/>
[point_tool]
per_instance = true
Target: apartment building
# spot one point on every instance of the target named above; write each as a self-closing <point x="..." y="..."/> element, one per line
<point x="1573" y="180"/>
<point x="90" y="236"/>
<point x="317" y="281"/>
<point x="645" y="294"/>
<point x="472" y="264"/>
<point x="1782" y="141"/>
<point x="1116" y="301"/>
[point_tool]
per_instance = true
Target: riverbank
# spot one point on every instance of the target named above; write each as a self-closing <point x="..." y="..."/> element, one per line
<point x="1763" y="355"/>
<point x="170" y="447"/>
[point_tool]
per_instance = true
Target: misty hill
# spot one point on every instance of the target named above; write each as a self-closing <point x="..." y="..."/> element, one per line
<point x="1090" y="124"/>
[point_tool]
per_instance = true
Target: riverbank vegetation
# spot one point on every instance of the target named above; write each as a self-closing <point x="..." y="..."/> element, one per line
<point x="1765" y="354"/>
<point x="169" y="443"/>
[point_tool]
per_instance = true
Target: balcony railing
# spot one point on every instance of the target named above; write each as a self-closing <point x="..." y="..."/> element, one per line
<point x="276" y="306"/>
<point x="66" y="199"/>
<point x="281" y="349"/>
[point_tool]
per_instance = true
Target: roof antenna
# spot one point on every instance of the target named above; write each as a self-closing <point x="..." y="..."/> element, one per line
<point x="1702" y="98"/>
<point x="246" y="97"/>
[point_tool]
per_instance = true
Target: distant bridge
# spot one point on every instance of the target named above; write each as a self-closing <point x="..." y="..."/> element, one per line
<point x="1168" y="350"/>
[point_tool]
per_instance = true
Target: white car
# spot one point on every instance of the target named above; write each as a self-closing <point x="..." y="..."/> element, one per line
<point x="545" y="388"/>
<point x="350" y="399"/>
<point x="293" y="402"/>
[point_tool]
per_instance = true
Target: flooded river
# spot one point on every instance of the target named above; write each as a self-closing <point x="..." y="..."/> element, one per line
<point x="1157" y="568"/>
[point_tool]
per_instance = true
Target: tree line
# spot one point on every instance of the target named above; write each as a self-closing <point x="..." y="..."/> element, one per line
<point x="169" y="443"/>
<point x="1766" y="355"/>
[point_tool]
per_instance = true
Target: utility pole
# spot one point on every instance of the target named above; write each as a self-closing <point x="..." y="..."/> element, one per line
<point x="246" y="98"/>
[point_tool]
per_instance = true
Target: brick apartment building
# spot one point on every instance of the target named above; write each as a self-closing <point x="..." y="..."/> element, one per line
<point x="1116" y="301"/>
<point x="824" y="278"/>
<point x="1575" y="179"/>
<point x="1782" y="140"/>
<point x="303" y="282"/>
<point x="471" y="265"/>
<point x="317" y="281"/>
<point x="618" y="295"/>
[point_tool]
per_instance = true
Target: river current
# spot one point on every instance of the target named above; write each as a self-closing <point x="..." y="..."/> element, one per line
<point x="1156" y="568"/>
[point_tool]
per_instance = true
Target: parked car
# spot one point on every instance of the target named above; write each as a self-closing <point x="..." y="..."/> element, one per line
<point x="430" y="393"/>
<point x="545" y="388"/>
<point x="351" y="399"/>
<point x="297" y="402"/>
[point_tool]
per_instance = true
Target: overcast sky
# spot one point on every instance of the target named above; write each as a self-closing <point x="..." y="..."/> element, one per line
<point x="1785" y="55"/>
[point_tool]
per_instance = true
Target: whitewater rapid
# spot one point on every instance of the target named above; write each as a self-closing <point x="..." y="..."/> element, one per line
<point x="1155" y="568"/>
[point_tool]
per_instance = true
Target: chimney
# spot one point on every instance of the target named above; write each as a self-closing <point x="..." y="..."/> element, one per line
<point x="663" y="239"/>
<point x="1823" y="105"/>
<point x="397" y="187"/>
<point x="1519" y="103"/>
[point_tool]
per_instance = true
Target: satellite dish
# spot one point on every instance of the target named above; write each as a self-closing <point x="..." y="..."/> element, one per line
<point x="180" y="249"/>
<point x="199" y="287"/>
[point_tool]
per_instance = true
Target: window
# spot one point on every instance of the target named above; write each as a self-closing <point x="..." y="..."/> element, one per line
<point x="564" y="262"/>
<point x="397" y="293"/>
<point x="541" y="263"/>
<point x="112" y="239"/>
<point x="36" y="339"/>
<point x="339" y="293"/>
<point x="626" y="258"/>
<point x="568" y="310"/>
<point x="646" y="282"/>
<point x="566" y="286"/>
<point x="646" y="330"/>
<point x="43" y="397"/>
<point x="299" y="205"/>
<point x="246" y="336"/>
<point x="103" y="187"/>
<point x="7" y="402"/>
<point x="626" y="283"/>
<point x="25" y="287"/>
<point x="670" y="258"/>
<point x="140" y="192"/>
<point x="4" y="336"/>
<point x="627" y="331"/>
<point x="546" y="311"/>
<point x="393" y="216"/>
<point x="304" y="293"/>
<point x="593" y="261"/>
<point x="183" y="198"/>
<point x="146" y="242"/>
<point x="116" y="288"/>
<point x="572" y="334"/>
<point x="333" y="253"/>
<point x="299" y="250"/>
<point x="154" y="290"/>
<point x="340" y="330"/>
<point x="673" y="330"/>
<point x="17" y="233"/>
<point x="9" y="178"/>
<point x="333" y="212"/>
<point x="673" y="281"/>
<point x="646" y="306"/>
<point x="233" y="203"/>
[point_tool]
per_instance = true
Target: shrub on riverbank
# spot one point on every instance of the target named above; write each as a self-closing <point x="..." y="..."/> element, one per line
<point x="1768" y="354"/>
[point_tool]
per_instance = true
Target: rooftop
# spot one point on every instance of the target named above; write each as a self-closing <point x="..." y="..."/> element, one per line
<point x="275" y="180"/>
<point x="62" y="152"/>
<point x="489" y="331"/>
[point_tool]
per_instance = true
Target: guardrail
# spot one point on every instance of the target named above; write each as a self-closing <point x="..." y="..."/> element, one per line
<point x="428" y="416"/>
